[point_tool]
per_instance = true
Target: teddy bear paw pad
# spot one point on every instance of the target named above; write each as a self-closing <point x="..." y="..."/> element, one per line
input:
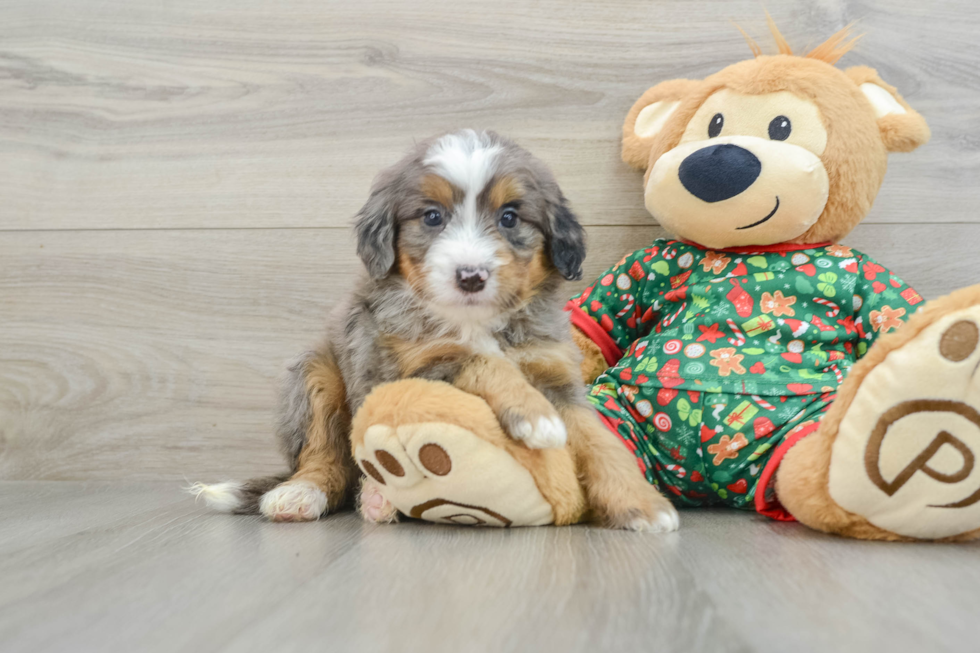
<point x="445" y="473"/>
<point x="905" y="455"/>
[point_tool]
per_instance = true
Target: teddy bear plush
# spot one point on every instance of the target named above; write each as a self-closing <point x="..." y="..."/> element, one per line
<point x="751" y="361"/>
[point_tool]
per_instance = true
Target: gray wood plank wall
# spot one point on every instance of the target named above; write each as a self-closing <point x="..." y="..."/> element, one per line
<point x="177" y="179"/>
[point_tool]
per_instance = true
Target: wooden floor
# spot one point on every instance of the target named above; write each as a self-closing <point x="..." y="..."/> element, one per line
<point x="139" y="567"/>
<point x="176" y="185"/>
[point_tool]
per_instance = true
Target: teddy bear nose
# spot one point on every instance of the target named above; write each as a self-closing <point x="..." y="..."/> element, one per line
<point x="718" y="172"/>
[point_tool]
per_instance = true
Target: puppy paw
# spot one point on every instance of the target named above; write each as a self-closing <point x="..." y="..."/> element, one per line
<point x="294" y="501"/>
<point x="546" y="432"/>
<point x="535" y="422"/>
<point x="637" y="507"/>
<point x="664" y="520"/>
<point x="373" y="506"/>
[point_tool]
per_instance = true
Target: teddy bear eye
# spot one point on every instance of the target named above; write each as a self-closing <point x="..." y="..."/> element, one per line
<point x="717" y="122"/>
<point x="780" y="128"/>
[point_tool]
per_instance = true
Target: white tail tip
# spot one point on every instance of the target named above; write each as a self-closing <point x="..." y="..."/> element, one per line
<point x="223" y="497"/>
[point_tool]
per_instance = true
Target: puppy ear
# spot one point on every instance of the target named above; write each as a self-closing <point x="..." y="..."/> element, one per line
<point x="902" y="129"/>
<point x="375" y="229"/>
<point x="567" y="239"/>
<point x="648" y="116"/>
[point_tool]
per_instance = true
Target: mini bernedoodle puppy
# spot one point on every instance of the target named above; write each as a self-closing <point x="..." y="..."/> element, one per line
<point x="465" y="242"/>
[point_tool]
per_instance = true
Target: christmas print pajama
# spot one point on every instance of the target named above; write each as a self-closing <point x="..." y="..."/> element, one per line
<point x="720" y="360"/>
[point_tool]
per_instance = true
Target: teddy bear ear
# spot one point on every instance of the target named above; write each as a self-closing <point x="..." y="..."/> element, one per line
<point x="648" y="117"/>
<point x="902" y="128"/>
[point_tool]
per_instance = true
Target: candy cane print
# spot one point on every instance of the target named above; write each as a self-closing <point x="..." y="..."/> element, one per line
<point x="670" y="318"/>
<point x="763" y="403"/>
<point x="838" y="374"/>
<point x="630" y="300"/>
<point x="680" y="471"/>
<point x="834" y="308"/>
<point x="738" y="338"/>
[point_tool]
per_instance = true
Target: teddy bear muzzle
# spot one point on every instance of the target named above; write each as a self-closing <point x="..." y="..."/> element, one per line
<point x="733" y="191"/>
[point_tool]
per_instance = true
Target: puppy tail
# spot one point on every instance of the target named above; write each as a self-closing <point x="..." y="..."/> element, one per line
<point x="235" y="497"/>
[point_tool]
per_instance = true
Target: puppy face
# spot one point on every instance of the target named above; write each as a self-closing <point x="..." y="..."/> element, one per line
<point x="473" y="223"/>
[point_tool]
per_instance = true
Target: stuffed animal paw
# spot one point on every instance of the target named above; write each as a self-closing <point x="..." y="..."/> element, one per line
<point x="896" y="457"/>
<point x="434" y="452"/>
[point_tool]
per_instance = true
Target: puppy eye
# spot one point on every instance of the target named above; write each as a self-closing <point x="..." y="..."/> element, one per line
<point x="508" y="219"/>
<point x="432" y="218"/>
<point x="780" y="128"/>
<point x="714" y="127"/>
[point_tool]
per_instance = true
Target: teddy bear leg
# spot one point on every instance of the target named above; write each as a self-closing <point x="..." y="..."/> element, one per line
<point x="434" y="452"/>
<point x="895" y="457"/>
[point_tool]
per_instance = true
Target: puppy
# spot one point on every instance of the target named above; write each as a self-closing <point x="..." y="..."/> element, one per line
<point x="466" y="242"/>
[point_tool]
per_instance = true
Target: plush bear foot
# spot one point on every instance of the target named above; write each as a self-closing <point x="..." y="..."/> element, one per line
<point x="896" y="456"/>
<point x="433" y="452"/>
<point x="444" y="473"/>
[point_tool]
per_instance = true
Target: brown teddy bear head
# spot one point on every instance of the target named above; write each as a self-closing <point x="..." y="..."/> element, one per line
<point x="775" y="149"/>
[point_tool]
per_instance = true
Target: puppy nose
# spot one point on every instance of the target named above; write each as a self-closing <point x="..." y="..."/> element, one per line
<point x="470" y="279"/>
<point x="719" y="172"/>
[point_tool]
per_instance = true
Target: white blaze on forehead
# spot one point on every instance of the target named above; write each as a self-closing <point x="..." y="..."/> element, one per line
<point x="467" y="159"/>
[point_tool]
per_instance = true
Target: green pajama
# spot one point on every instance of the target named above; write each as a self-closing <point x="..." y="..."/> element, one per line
<point x="718" y="357"/>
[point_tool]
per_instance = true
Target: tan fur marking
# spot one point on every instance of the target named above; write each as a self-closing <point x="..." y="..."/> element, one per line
<point x="518" y="281"/>
<point x="412" y="272"/>
<point x="440" y="191"/>
<point x="502" y="385"/>
<point x="325" y="459"/>
<point x="549" y="365"/>
<point x="538" y="270"/>
<point x="414" y="356"/>
<point x="511" y="279"/>
<point x="503" y="191"/>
